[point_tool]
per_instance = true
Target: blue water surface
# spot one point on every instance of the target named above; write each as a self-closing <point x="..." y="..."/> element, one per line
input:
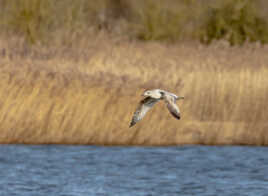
<point x="59" y="170"/>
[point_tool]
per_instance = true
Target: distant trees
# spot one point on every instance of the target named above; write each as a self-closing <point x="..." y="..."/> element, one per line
<point x="41" y="21"/>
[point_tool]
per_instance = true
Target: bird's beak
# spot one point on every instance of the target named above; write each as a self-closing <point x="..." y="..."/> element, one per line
<point x="180" y="97"/>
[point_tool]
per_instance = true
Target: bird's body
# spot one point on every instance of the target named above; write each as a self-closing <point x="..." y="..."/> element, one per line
<point x="151" y="98"/>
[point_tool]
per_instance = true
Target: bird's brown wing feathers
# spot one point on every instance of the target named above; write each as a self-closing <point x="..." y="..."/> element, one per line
<point x="172" y="107"/>
<point x="144" y="106"/>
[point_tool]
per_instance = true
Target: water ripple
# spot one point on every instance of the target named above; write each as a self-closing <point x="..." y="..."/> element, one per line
<point x="140" y="171"/>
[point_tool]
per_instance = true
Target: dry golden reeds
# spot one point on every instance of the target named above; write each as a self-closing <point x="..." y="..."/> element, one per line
<point x="86" y="94"/>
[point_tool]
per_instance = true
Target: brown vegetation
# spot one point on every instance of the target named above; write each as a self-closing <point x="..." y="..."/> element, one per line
<point x="170" y="20"/>
<point x="86" y="93"/>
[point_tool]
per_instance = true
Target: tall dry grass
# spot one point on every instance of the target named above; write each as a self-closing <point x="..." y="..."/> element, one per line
<point x="87" y="93"/>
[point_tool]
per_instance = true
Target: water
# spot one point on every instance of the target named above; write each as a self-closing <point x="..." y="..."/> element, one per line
<point x="138" y="171"/>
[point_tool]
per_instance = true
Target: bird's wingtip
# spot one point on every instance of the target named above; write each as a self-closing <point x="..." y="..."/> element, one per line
<point x="177" y="116"/>
<point x="132" y="123"/>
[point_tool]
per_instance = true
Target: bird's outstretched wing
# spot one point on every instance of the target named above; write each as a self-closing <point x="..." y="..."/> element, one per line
<point x="172" y="107"/>
<point x="144" y="106"/>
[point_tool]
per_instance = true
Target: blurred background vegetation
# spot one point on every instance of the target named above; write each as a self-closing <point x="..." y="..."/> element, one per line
<point x="48" y="21"/>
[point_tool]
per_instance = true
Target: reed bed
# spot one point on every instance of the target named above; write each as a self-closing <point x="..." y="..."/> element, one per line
<point x="87" y="93"/>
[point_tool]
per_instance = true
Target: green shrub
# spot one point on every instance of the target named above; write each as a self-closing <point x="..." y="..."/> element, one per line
<point x="41" y="21"/>
<point x="236" y="21"/>
<point x="158" y="22"/>
<point x="28" y="18"/>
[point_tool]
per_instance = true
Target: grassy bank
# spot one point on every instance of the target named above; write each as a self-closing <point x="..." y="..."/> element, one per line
<point x="49" y="21"/>
<point x="87" y="93"/>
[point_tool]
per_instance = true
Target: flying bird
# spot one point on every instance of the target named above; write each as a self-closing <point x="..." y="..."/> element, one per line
<point x="151" y="98"/>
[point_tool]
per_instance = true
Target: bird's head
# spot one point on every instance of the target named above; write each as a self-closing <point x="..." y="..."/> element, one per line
<point x="147" y="93"/>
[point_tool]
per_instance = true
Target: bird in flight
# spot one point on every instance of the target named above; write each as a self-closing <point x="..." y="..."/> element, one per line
<point x="151" y="98"/>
